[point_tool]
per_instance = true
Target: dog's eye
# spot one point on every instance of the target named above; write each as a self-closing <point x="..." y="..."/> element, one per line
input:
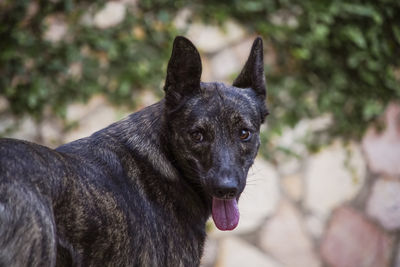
<point x="197" y="137"/>
<point x="245" y="135"/>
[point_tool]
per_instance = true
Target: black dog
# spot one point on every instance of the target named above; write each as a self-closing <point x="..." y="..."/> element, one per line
<point x="139" y="192"/>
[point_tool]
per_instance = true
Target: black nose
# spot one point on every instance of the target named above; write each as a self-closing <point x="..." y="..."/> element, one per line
<point x="226" y="188"/>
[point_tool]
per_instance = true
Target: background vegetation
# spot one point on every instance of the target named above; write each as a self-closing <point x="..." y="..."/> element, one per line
<point x="334" y="57"/>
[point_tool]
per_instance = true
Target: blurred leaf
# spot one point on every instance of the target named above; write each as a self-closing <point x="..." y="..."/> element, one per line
<point x="355" y="35"/>
<point x="372" y="109"/>
<point x="362" y="9"/>
<point x="396" y="32"/>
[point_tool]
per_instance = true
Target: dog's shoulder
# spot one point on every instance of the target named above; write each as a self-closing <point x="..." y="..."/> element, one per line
<point x="19" y="155"/>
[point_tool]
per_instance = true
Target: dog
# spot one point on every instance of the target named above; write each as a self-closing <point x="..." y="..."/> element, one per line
<point x="140" y="191"/>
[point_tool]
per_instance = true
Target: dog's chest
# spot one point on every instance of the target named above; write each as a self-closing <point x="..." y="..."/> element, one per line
<point x="170" y="239"/>
<point x="177" y="250"/>
<point x="103" y="228"/>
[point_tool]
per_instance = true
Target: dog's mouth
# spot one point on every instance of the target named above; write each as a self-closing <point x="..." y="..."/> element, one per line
<point x="225" y="213"/>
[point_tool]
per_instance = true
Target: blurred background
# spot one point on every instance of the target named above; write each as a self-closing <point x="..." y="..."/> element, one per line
<point x="325" y="189"/>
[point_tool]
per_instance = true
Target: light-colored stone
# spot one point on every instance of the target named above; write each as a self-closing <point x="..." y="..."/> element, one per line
<point x="6" y="123"/>
<point x="242" y="49"/>
<point x="210" y="253"/>
<point x="50" y="130"/>
<point x="234" y="252"/>
<point x="207" y="74"/>
<point x="78" y="111"/>
<point x="351" y="240"/>
<point x="4" y="104"/>
<point x="145" y="98"/>
<point x="315" y="225"/>
<point x="383" y="149"/>
<point x="56" y="30"/>
<point x="384" y="203"/>
<point x="210" y="39"/>
<point x="91" y="117"/>
<point x="293" y="141"/>
<point x="230" y="60"/>
<point x="75" y="70"/>
<point x="397" y="259"/>
<point x="284" y="237"/>
<point x="27" y="129"/>
<point x="224" y="64"/>
<point x="112" y="14"/>
<point x="260" y="197"/>
<point x="289" y="164"/>
<point x="333" y="176"/>
<point x="182" y="17"/>
<point x="130" y="3"/>
<point x="293" y="186"/>
<point x="283" y="17"/>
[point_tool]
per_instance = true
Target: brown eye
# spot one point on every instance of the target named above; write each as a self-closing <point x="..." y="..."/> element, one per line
<point x="245" y="135"/>
<point x="197" y="137"/>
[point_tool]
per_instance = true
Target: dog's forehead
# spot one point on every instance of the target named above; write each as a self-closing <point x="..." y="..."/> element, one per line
<point x="228" y="96"/>
<point x="218" y="99"/>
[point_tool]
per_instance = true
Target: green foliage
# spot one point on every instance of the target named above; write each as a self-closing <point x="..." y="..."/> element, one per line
<point x="333" y="57"/>
<point x="345" y="58"/>
<point x="336" y="57"/>
<point x="36" y="73"/>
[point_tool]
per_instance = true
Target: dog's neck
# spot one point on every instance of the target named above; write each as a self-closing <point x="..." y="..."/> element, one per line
<point x="145" y="133"/>
<point x="141" y="132"/>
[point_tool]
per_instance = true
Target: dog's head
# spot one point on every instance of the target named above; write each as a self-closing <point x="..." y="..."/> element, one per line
<point x="213" y="128"/>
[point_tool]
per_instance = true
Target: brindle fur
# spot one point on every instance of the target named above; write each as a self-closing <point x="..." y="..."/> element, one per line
<point x="137" y="193"/>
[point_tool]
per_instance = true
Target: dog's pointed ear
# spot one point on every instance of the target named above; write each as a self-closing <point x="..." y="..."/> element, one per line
<point x="183" y="73"/>
<point x="252" y="74"/>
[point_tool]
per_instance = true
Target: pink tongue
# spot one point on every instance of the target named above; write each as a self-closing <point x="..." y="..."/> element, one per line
<point x="225" y="213"/>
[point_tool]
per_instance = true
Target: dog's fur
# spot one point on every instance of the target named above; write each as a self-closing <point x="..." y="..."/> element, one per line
<point x="139" y="192"/>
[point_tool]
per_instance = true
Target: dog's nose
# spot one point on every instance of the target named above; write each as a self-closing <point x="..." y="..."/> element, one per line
<point x="227" y="188"/>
